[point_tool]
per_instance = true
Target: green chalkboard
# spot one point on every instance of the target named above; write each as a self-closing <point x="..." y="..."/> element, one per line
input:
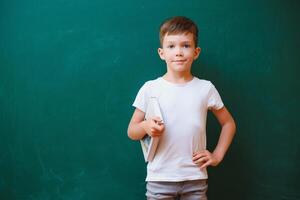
<point x="70" y="70"/>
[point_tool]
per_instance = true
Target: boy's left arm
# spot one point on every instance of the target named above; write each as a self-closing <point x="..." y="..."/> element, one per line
<point x="206" y="158"/>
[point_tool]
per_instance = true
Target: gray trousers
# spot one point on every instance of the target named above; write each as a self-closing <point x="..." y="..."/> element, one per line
<point x="185" y="190"/>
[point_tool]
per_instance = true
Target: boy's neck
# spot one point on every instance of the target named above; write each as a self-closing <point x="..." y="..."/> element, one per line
<point x="178" y="78"/>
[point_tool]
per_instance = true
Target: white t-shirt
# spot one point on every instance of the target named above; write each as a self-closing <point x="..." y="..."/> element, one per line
<point x="184" y="109"/>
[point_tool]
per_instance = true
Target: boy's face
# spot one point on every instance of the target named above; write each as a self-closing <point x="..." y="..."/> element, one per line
<point x="179" y="52"/>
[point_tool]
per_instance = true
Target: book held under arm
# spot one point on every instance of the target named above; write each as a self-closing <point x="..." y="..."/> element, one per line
<point x="149" y="144"/>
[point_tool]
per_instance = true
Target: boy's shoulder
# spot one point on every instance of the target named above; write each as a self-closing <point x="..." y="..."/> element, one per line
<point x="203" y="83"/>
<point x="152" y="82"/>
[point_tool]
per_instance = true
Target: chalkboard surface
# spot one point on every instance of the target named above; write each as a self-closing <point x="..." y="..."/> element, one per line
<point x="70" y="70"/>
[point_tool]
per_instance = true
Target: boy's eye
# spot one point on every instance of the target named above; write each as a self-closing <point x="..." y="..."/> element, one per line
<point x="170" y="46"/>
<point x="186" y="46"/>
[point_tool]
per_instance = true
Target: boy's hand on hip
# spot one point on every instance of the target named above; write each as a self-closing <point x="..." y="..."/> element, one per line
<point x="154" y="127"/>
<point x="205" y="159"/>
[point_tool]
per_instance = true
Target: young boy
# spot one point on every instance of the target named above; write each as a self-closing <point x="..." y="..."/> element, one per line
<point x="179" y="166"/>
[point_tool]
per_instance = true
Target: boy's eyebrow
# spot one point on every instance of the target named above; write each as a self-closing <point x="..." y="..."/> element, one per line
<point x="172" y="41"/>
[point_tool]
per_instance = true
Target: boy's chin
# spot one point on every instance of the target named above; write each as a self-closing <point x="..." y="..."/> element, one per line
<point x="180" y="69"/>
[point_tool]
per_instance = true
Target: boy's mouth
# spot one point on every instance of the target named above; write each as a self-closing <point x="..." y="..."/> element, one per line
<point x="179" y="61"/>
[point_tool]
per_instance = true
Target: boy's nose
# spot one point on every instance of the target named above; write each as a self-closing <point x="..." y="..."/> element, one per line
<point x="178" y="52"/>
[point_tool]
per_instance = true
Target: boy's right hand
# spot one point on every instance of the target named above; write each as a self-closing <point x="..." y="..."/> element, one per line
<point x="154" y="127"/>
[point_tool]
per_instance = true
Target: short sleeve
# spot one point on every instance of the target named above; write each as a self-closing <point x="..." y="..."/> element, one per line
<point x="140" y="100"/>
<point x="214" y="99"/>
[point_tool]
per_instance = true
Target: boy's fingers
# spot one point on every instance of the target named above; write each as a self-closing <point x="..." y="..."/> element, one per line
<point x="156" y="134"/>
<point x="202" y="153"/>
<point x="161" y="128"/>
<point x="157" y="120"/>
<point x="158" y="127"/>
<point x="154" y="122"/>
<point x="199" y="155"/>
<point x="201" y="160"/>
<point x="195" y="157"/>
<point x="157" y="130"/>
<point x="206" y="164"/>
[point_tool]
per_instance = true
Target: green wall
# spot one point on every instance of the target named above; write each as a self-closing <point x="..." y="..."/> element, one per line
<point x="70" y="70"/>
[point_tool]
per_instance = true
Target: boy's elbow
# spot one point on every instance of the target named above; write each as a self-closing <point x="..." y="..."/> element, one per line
<point x="130" y="134"/>
<point x="233" y="126"/>
<point x="230" y="126"/>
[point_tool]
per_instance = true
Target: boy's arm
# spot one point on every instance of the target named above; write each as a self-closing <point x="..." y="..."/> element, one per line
<point x="206" y="158"/>
<point x="138" y="127"/>
<point x="227" y="132"/>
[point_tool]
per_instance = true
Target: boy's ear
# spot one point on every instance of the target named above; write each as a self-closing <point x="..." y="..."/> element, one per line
<point x="161" y="53"/>
<point x="197" y="53"/>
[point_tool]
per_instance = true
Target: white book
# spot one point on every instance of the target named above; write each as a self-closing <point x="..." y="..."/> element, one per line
<point x="149" y="144"/>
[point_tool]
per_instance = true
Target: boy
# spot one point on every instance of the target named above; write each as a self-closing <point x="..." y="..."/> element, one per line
<point x="179" y="166"/>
